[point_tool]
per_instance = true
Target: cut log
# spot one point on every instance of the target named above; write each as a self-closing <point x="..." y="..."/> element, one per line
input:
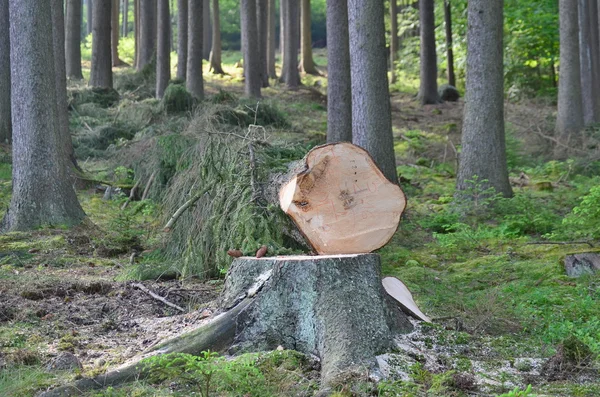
<point x="397" y="290"/>
<point x="342" y="202"/>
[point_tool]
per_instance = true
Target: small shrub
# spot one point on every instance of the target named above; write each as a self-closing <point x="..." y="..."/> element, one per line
<point x="584" y="220"/>
<point x="177" y="99"/>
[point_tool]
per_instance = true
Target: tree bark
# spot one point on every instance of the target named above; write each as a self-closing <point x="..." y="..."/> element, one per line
<point x="449" y="52"/>
<point x="307" y="64"/>
<point x="125" y="22"/>
<point x="215" y="53"/>
<point x="289" y="73"/>
<point x="73" y="40"/>
<point x="595" y="52"/>
<point x="90" y="16"/>
<point x="271" y="72"/>
<point x="428" y="93"/>
<point x="585" y="63"/>
<point x="42" y="194"/>
<point x="163" y="56"/>
<point x="569" y="119"/>
<point x="483" y="152"/>
<point x="339" y="94"/>
<point x="182" y="38"/>
<point x="101" y="70"/>
<point x="206" y="31"/>
<point x="252" y="66"/>
<point x="114" y="26"/>
<point x="5" y="113"/>
<point x="147" y="44"/>
<point x="394" y="41"/>
<point x="371" y="109"/>
<point x="282" y="6"/>
<point x="136" y="28"/>
<point x="194" y="81"/>
<point x="262" y="23"/>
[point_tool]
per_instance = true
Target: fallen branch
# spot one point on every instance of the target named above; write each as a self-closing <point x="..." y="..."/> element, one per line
<point x="157" y="297"/>
<point x="147" y="189"/>
<point x="131" y="195"/>
<point x="560" y="243"/>
<point x="184" y="207"/>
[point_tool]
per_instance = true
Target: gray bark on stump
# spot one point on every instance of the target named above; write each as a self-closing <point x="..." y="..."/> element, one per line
<point x="195" y="81"/>
<point x="428" y="92"/>
<point x="101" y="71"/>
<point x="182" y="38"/>
<point x="163" y="52"/>
<point x="339" y="94"/>
<point x="334" y="307"/>
<point x="252" y="70"/>
<point x="5" y="114"/>
<point x="73" y="40"/>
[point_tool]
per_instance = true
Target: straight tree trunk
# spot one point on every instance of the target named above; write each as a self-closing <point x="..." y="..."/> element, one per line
<point x="339" y="94"/>
<point x="101" y="71"/>
<point x="271" y="72"/>
<point x="282" y="11"/>
<point x="262" y="22"/>
<point x="73" y="40"/>
<point x="428" y="93"/>
<point x="307" y="64"/>
<point x="252" y="66"/>
<point x="114" y="30"/>
<point x="371" y="109"/>
<point x="215" y="53"/>
<point x="289" y="73"/>
<point x="595" y="51"/>
<point x="483" y="152"/>
<point x="5" y="113"/>
<point x="394" y="42"/>
<point x="182" y="38"/>
<point x="569" y="119"/>
<point x="136" y="30"/>
<point x="194" y="81"/>
<point x="147" y="36"/>
<point x="125" y="23"/>
<point x="42" y="194"/>
<point x="163" y="56"/>
<point x="206" y="32"/>
<point x="449" y="52"/>
<point x="90" y="16"/>
<point x="585" y="62"/>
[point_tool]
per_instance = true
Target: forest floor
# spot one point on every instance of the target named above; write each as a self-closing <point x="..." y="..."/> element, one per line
<point x="507" y="319"/>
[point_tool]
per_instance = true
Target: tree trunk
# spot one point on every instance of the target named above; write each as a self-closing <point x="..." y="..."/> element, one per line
<point x="289" y="73"/>
<point x="394" y="42"/>
<point x="206" y="30"/>
<point x="73" y="40"/>
<point x="282" y="6"/>
<point x="182" y="38"/>
<point x="339" y="94"/>
<point x="483" y="152"/>
<point x="125" y="23"/>
<point x="449" y="52"/>
<point x="90" y="16"/>
<point x="307" y="64"/>
<point x="147" y="44"/>
<point x="428" y="93"/>
<point x="595" y="51"/>
<point x="271" y="72"/>
<point x="331" y="306"/>
<point x="115" y="34"/>
<point x="215" y="53"/>
<point x="194" y="81"/>
<point x="262" y="23"/>
<point x="136" y="28"/>
<point x="5" y="113"/>
<point x="569" y="119"/>
<point x="252" y="66"/>
<point x="585" y="63"/>
<point x="101" y="71"/>
<point x="163" y="56"/>
<point x="371" y="109"/>
<point x="42" y="194"/>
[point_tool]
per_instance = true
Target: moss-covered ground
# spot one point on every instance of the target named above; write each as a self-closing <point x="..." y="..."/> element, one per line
<point x="506" y="318"/>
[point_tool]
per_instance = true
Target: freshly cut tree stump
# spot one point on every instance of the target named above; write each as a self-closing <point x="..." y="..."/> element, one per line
<point x="341" y="201"/>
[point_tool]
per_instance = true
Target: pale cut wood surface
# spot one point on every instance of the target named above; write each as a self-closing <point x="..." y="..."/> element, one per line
<point x="342" y="202"/>
<point x="397" y="290"/>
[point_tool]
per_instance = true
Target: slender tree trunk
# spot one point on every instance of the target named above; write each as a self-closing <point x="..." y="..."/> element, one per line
<point x="182" y="38"/>
<point x="163" y="53"/>
<point x="136" y="28"/>
<point x="252" y="64"/>
<point x="339" y="94"/>
<point x="5" y="114"/>
<point x="194" y="81"/>
<point x="394" y="42"/>
<point x="595" y="51"/>
<point x="73" y="40"/>
<point x="125" y="23"/>
<point x="569" y="119"/>
<point x="115" y="34"/>
<point x="101" y="71"/>
<point x="90" y="16"/>
<point x="215" y="53"/>
<point x="307" y="64"/>
<point x="282" y="11"/>
<point x="585" y="63"/>
<point x="289" y="72"/>
<point x="428" y="93"/>
<point x="449" y="52"/>
<point x="483" y="152"/>
<point x="147" y="36"/>
<point x="271" y="72"/>
<point x="42" y="194"/>
<point x="206" y="32"/>
<point x="371" y="109"/>
<point x="262" y="18"/>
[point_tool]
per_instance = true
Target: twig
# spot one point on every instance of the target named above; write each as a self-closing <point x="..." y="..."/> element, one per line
<point x="184" y="207"/>
<point x="252" y="172"/>
<point x="131" y="195"/>
<point x="560" y="243"/>
<point x="83" y="121"/>
<point x="157" y="297"/>
<point x="147" y="189"/>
